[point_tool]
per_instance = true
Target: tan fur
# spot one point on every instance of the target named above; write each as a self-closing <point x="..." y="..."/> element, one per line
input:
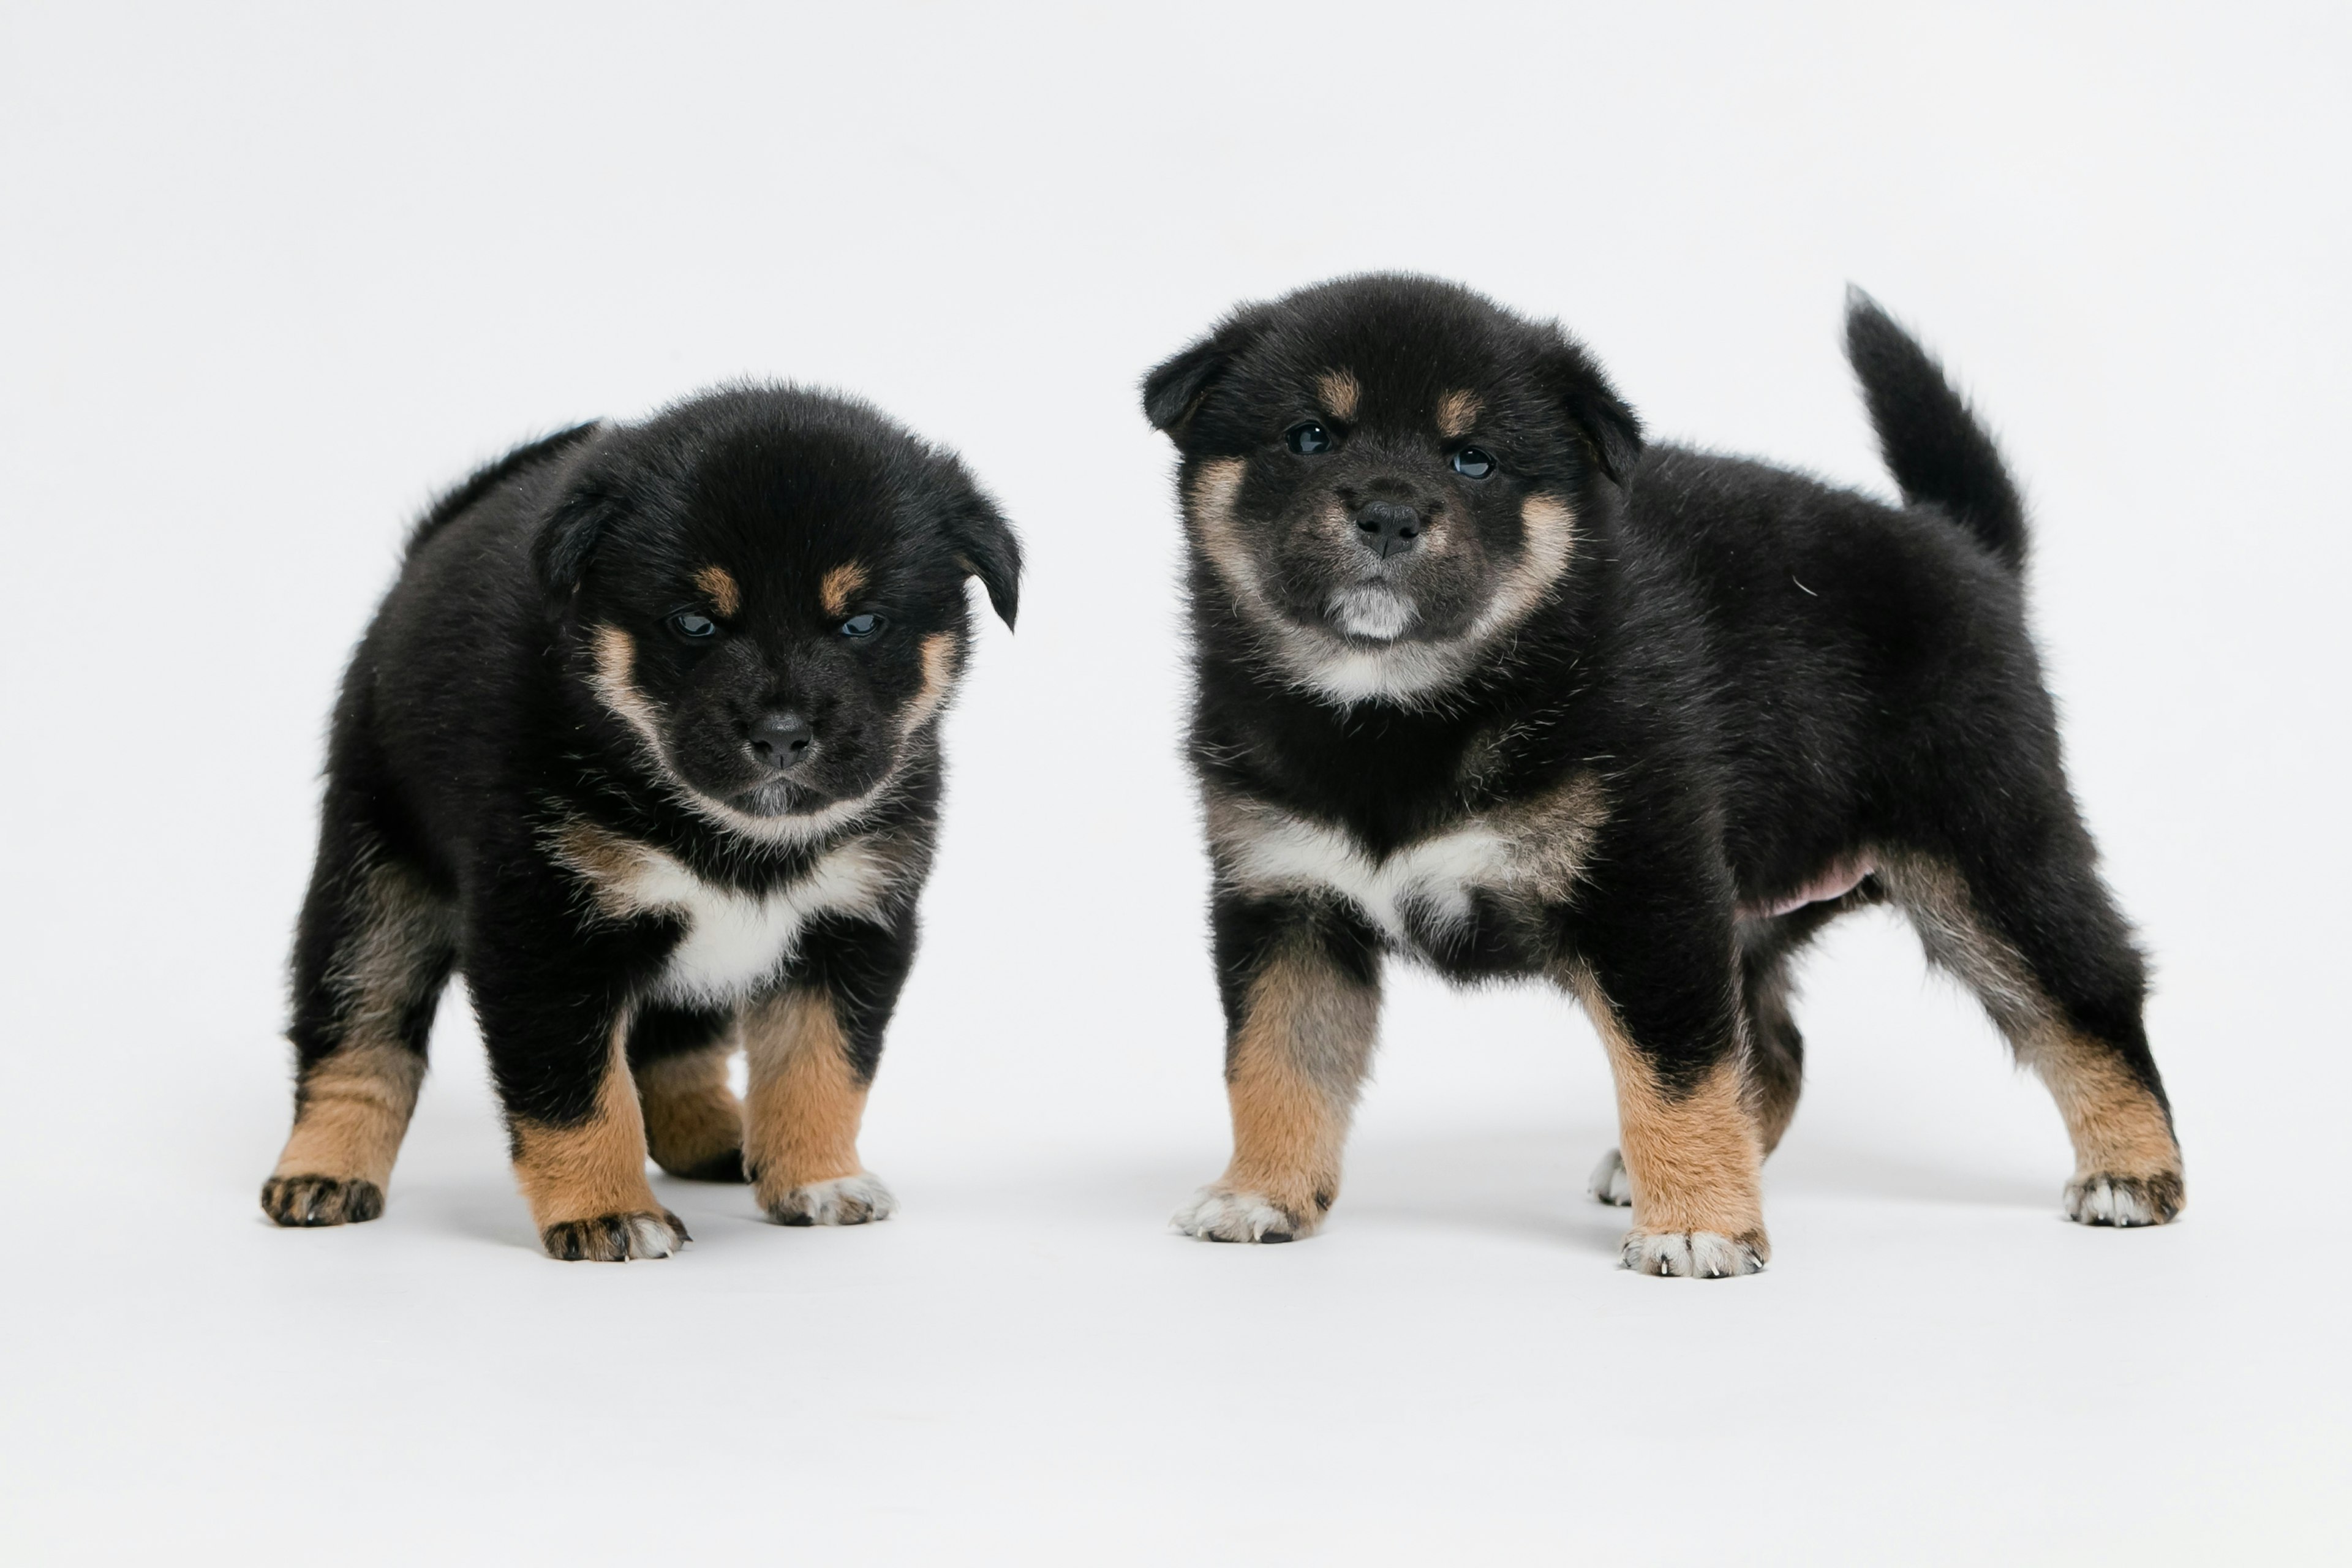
<point x="1547" y="524"/>
<point x="352" y="1111"/>
<point x="1457" y="413"/>
<point x="715" y="582"/>
<point x="1339" y="393"/>
<point x="691" y="1116"/>
<point x="594" y="1168"/>
<point x="939" y="679"/>
<point x="2117" y="1126"/>
<point x="1695" y="1160"/>
<point x="839" y="587"/>
<point x="615" y="681"/>
<point x="1292" y="1075"/>
<point x="352" y="1107"/>
<point x="609" y="864"/>
<point x="800" y="1122"/>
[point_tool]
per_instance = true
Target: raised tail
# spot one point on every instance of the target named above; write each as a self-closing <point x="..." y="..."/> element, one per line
<point x="1933" y="445"/>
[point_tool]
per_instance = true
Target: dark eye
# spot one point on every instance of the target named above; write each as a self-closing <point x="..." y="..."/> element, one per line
<point x="862" y="626"/>
<point x="1308" y="438"/>
<point x="693" y="626"/>
<point x="1472" y="463"/>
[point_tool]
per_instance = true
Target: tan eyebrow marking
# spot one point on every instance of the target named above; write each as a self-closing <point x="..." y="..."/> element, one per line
<point x="1456" y="412"/>
<point x="725" y="597"/>
<point x="834" y="592"/>
<point x="1339" y="393"/>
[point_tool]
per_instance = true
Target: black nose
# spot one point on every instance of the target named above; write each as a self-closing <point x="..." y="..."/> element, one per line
<point x="1390" y="529"/>
<point x="783" y="739"/>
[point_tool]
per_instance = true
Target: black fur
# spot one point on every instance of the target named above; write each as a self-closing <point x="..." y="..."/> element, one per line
<point x="479" y="724"/>
<point x="1767" y="677"/>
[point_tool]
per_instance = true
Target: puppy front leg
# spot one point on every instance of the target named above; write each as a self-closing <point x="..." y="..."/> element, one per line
<point x="1301" y="989"/>
<point x="1693" y="1153"/>
<point x="812" y="1047"/>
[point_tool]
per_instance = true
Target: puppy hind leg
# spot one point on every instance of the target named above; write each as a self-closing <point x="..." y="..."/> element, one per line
<point x="371" y="955"/>
<point x="2037" y="939"/>
<point x="694" y="1123"/>
<point x="1302" y="1013"/>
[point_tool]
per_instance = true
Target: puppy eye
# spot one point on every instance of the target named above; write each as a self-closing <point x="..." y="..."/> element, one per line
<point x="693" y="626"/>
<point x="862" y="626"/>
<point x="1308" y="438"/>
<point x="1472" y="463"/>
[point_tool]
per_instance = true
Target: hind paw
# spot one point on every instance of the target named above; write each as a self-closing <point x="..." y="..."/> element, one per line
<point x="2104" y="1198"/>
<point x="1610" y="1184"/>
<point x="321" y="1200"/>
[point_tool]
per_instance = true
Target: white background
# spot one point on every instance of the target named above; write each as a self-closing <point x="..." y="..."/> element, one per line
<point x="272" y="277"/>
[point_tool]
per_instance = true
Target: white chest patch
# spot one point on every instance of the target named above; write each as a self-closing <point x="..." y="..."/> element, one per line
<point x="1431" y="880"/>
<point x="1526" y="853"/>
<point x="734" y="942"/>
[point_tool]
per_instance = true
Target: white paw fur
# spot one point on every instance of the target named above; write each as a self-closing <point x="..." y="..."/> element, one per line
<point x="2099" y="1202"/>
<point x="844" y="1200"/>
<point x="1217" y="1215"/>
<point x="649" y="1238"/>
<point x="1690" y="1254"/>
<point x="1610" y="1184"/>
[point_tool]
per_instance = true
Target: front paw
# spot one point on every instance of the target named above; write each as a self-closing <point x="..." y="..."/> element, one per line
<point x="321" y="1200"/>
<point x="1223" y="1214"/>
<point x="2106" y="1198"/>
<point x="1610" y="1184"/>
<point x="1695" y="1254"/>
<point x="844" y="1200"/>
<point x="616" y="1238"/>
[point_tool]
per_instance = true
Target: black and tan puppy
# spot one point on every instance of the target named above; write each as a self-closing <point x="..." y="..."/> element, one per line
<point x="1484" y="682"/>
<point x="645" y="741"/>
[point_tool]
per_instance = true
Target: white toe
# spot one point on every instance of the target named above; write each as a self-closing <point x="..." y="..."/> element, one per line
<point x="1610" y="1184"/>
<point x="844" y="1200"/>
<point x="1217" y="1216"/>
<point x="1697" y="1254"/>
<point x="649" y="1238"/>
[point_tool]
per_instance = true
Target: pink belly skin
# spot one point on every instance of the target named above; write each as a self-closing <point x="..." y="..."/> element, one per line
<point x="1839" y="879"/>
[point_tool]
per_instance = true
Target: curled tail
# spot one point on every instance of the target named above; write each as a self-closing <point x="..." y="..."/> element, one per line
<point x="1933" y="445"/>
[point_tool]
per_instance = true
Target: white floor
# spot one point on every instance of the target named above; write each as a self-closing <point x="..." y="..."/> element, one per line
<point x="273" y="274"/>
<point x="1024" y="1367"/>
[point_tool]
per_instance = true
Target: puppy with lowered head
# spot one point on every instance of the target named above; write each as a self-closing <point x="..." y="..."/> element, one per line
<point x="645" y="741"/>
<point x="1484" y="682"/>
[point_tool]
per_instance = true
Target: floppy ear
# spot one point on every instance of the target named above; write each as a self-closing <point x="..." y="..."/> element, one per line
<point x="1174" y="390"/>
<point x="1608" y="425"/>
<point x="985" y="546"/>
<point x="569" y="537"/>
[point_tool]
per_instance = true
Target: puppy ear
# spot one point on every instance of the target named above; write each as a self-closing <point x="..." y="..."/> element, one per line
<point x="567" y="541"/>
<point x="1608" y="424"/>
<point x="1172" y="391"/>
<point x="986" y="547"/>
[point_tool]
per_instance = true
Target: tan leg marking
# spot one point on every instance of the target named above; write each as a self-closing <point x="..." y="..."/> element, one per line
<point x="352" y="1107"/>
<point x="1695" y="1160"/>
<point x="351" y="1111"/>
<point x="693" y="1121"/>
<point x="586" y="1184"/>
<point x="840" y="586"/>
<point x="1292" y="1075"/>
<point x="2127" y="1166"/>
<point x="800" y="1123"/>
<point x="726" y="597"/>
<point x="1339" y="394"/>
<point x="1457" y="413"/>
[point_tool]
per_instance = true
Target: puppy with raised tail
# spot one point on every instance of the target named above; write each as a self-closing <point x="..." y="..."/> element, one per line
<point x="1484" y="681"/>
<point x="645" y="741"/>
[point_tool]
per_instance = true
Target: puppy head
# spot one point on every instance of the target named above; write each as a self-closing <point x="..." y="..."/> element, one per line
<point x="768" y="586"/>
<point x="1385" y="472"/>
